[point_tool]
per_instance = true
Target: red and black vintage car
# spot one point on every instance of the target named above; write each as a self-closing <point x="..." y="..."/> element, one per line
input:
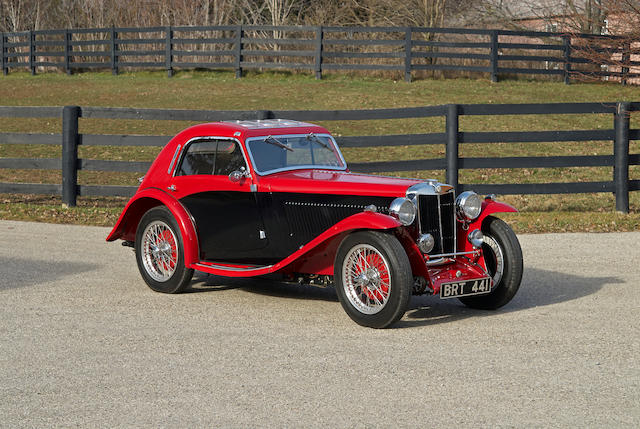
<point x="255" y="198"/>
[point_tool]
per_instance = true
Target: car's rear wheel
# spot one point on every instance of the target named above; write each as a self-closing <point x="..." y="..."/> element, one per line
<point x="160" y="252"/>
<point x="373" y="279"/>
<point x="503" y="257"/>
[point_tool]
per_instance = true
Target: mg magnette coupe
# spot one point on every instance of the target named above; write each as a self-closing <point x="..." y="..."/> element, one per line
<point x="275" y="197"/>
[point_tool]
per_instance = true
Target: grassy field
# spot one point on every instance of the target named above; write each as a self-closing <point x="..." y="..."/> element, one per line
<point x="220" y="91"/>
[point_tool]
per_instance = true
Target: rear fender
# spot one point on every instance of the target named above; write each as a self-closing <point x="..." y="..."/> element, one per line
<point x="146" y="199"/>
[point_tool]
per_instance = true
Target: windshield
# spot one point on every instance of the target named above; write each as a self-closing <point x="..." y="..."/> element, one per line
<point x="270" y="154"/>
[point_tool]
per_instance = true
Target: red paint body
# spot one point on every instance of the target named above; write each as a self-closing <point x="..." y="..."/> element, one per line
<point x="161" y="187"/>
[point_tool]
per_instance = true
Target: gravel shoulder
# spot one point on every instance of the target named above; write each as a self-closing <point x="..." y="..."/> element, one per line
<point x="84" y="342"/>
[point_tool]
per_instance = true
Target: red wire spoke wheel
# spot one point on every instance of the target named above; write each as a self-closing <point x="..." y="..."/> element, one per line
<point x="159" y="252"/>
<point x="373" y="278"/>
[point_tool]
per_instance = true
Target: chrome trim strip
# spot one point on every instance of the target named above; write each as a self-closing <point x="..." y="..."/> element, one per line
<point x="440" y="223"/>
<point x="244" y="153"/>
<point x="297" y="167"/>
<point x="453" y="220"/>
<point x="443" y="255"/>
<point x="222" y="267"/>
<point x="446" y="258"/>
<point x="173" y="160"/>
<point x="416" y="202"/>
<point x="439" y="261"/>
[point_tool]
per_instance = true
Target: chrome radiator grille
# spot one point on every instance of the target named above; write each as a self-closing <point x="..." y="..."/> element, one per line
<point x="437" y="216"/>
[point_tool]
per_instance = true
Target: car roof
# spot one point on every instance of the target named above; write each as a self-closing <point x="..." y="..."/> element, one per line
<point x="254" y="128"/>
<point x="260" y="124"/>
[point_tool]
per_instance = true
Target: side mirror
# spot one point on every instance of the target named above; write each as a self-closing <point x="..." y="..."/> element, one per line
<point x="237" y="175"/>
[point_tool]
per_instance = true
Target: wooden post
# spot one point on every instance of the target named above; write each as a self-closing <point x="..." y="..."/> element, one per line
<point x="494" y="55"/>
<point x="3" y="53"/>
<point x="407" y="54"/>
<point x="566" y="42"/>
<point x="168" y="55"/>
<point x="238" y="51"/>
<point x="70" y="140"/>
<point x="452" y="148"/>
<point x="67" y="52"/>
<point x="264" y="114"/>
<point x="114" y="51"/>
<point x="318" y="54"/>
<point x="626" y="59"/>
<point x="621" y="123"/>
<point x="32" y="53"/>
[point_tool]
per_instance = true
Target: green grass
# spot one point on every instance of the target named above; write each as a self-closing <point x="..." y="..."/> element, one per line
<point x="283" y="90"/>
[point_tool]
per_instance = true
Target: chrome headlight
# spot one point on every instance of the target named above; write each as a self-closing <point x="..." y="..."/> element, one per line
<point x="468" y="205"/>
<point x="476" y="238"/>
<point x="403" y="210"/>
<point x="426" y="242"/>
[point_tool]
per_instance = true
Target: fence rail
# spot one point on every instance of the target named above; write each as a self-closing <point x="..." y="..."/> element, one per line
<point x="405" y="50"/>
<point x="621" y="134"/>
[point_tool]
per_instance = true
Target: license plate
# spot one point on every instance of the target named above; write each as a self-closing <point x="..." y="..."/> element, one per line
<point x="466" y="288"/>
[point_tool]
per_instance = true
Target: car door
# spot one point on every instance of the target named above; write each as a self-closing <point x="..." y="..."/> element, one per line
<point x="225" y="211"/>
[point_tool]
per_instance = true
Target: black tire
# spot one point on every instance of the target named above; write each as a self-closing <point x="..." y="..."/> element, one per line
<point x="506" y="284"/>
<point x="376" y="293"/>
<point x="162" y="267"/>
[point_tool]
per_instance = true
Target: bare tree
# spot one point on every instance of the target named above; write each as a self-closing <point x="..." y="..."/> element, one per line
<point x="619" y="48"/>
<point x="23" y="15"/>
<point x="581" y="16"/>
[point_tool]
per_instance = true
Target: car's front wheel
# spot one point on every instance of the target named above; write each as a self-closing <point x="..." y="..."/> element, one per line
<point x="503" y="257"/>
<point x="373" y="279"/>
<point x="160" y="252"/>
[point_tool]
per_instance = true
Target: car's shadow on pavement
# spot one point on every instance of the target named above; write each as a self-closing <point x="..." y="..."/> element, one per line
<point x="539" y="288"/>
<point x="203" y="282"/>
<point x="22" y="272"/>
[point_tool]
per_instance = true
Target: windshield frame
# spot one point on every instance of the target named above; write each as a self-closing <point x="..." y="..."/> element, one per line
<point x="296" y="167"/>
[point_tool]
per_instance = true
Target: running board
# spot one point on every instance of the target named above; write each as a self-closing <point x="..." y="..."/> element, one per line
<point x="232" y="270"/>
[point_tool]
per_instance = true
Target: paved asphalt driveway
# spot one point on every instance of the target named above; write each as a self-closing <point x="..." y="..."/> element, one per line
<point x="84" y="342"/>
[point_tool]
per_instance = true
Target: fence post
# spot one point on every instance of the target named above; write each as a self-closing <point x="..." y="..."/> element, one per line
<point x="566" y="42"/>
<point x="318" y="57"/>
<point x="407" y="54"/>
<point x="70" y="140"/>
<point x="621" y="156"/>
<point x="626" y="58"/>
<point x="3" y="64"/>
<point x="168" y="55"/>
<point x="452" y="148"/>
<point x="494" y="55"/>
<point x="264" y="114"/>
<point x="114" y="52"/>
<point x="238" y="51"/>
<point x="67" y="52"/>
<point x="32" y="48"/>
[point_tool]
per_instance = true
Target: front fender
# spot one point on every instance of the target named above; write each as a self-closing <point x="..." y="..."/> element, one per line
<point x="146" y="199"/>
<point x="317" y="256"/>
<point x="489" y="207"/>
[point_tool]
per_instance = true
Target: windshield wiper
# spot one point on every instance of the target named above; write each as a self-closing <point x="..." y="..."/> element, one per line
<point x="274" y="141"/>
<point x="315" y="138"/>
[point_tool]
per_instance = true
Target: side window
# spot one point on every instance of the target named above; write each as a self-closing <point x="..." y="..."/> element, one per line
<point x="211" y="157"/>
<point x="229" y="158"/>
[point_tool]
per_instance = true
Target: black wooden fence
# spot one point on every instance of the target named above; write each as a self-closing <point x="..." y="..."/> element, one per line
<point x="403" y="50"/>
<point x="451" y="138"/>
